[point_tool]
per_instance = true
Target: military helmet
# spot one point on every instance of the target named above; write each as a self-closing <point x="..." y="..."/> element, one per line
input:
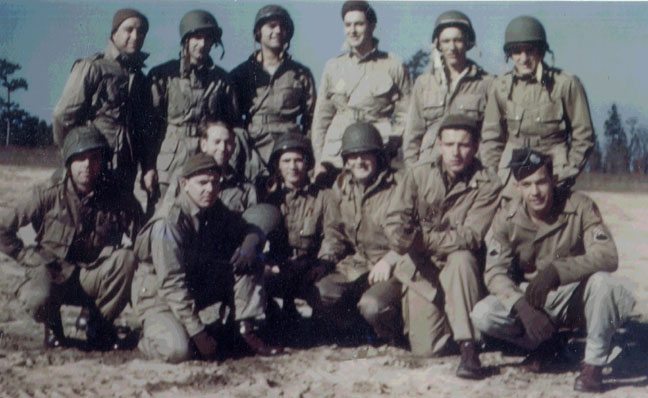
<point x="361" y="137"/>
<point x="457" y="19"/>
<point x="199" y="20"/>
<point x="287" y="142"/>
<point x="525" y="29"/>
<point x="264" y="217"/>
<point x="273" y="11"/>
<point x="83" y="139"/>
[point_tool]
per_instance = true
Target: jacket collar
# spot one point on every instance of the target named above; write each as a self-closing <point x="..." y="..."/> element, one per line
<point x="561" y="210"/>
<point x="134" y="61"/>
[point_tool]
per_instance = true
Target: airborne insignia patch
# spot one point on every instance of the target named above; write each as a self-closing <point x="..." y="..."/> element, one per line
<point x="600" y="234"/>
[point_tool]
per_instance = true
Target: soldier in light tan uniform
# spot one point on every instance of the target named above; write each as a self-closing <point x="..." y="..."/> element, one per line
<point x="363" y="84"/>
<point x="454" y="84"/>
<point x="535" y="105"/>
<point x="444" y="209"/>
<point x="549" y="259"/>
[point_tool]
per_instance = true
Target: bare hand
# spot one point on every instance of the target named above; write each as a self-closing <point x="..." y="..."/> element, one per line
<point x="150" y="181"/>
<point x="381" y="272"/>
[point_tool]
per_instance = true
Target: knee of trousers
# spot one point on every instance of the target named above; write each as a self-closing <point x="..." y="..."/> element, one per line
<point x="482" y="314"/>
<point x="604" y="286"/>
<point x="34" y="295"/>
<point x="462" y="262"/>
<point x="329" y="292"/>
<point x="164" y="338"/>
<point x="373" y="308"/>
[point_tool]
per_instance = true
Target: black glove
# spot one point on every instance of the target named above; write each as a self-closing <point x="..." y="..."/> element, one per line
<point x="536" y="323"/>
<point x="538" y="289"/>
<point x="245" y="255"/>
<point x="205" y="344"/>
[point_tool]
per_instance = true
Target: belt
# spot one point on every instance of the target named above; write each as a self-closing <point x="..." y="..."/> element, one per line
<point x="360" y="115"/>
<point x="534" y="141"/>
<point x="267" y="118"/>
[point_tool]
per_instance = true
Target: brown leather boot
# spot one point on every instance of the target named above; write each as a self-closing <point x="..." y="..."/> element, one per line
<point x="470" y="366"/>
<point x="257" y="345"/>
<point x="590" y="379"/>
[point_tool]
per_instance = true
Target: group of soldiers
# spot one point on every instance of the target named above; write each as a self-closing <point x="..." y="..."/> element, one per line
<point x="478" y="233"/>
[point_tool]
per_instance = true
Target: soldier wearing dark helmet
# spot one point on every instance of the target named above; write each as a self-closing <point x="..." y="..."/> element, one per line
<point x="187" y="90"/>
<point x="454" y="84"/>
<point x="292" y="265"/>
<point x="276" y="94"/>
<point x="81" y="220"/>
<point x="537" y="106"/>
<point x="355" y="248"/>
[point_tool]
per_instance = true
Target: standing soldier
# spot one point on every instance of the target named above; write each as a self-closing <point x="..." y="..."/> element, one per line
<point x="188" y="262"/>
<point x="187" y="90"/>
<point x="109" y="91"/>
<point x="548" y="265"/>
<point x="446" y="205"/>
<point x="355" y="245"/>
<point x="536" y="106"/>
<point x="295" y="244"/>
<point x="362" y="85"/>
<point x="80" y="219"/>
<point x="455" y="84"/>
<point x="275" y="93"/>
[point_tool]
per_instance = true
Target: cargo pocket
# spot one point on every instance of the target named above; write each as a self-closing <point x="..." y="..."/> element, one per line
<point x="548" y="118"/>
<point x="290" y="94"/>
<point x="471" y="105"/>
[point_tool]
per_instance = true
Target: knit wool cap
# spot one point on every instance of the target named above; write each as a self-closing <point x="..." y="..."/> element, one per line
<point x="124" y="14"/>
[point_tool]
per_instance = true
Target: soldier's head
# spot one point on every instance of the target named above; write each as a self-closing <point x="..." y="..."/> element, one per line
<point x="129" y="28"/>
<point x="85" y="152"/>
<point x="200" y="180"/>
<point x="363" y="152"/>
<point x="291" y="160"/>
<point x="525" y="42"/>
<point x="273" y="27"/>
<point x="533" y="173"/>
<point x="453" y="36"/>
<point x="458" y="143"/>
<point x="359" y="24"/>
<point x="199" y="32"/>
<point x="217" y="140"/>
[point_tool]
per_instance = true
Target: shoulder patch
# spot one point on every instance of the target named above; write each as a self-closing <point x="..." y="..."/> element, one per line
<point x="600" y="234"/>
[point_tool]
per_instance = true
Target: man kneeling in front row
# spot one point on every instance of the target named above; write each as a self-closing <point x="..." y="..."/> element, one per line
<point x="549" y="258"/>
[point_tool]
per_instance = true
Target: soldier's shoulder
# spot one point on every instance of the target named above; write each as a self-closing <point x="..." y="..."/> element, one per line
<point x="561" y="76"/>
<point x="301" y="68"/>
<point x="581" y="201"/>
<point x="241" y="70"/>
<point x="169" y="68"/>
<point x="488" y="176"/>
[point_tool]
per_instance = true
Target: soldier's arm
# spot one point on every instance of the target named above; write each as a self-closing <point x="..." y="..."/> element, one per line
<point x="167" y="256"/>
<point x="73" y="107"/>
<point x="145" y="130"/>
<point x="309" y="101"/>
<point x="493" y="134"/>
<point x="323" y="115"/>
<point x="158" y="110"/>
<point x="468" y="235"/>
<point x="580" y="122"/>
<point x="499" y="258"/>
<point x="401" y="106"/>
<point x="399" y="222"/>
<point x="600" y="249"/>
<point x="414" y="126"/>
<point x="231" y="111"/>
<point x="30" y="209"/>
<point x="334" y="245"/>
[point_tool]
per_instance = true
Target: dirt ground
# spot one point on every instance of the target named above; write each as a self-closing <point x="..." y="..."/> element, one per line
<point x="326" y="370"/>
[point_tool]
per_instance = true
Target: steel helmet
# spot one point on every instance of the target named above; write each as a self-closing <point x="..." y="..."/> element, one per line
<point x="361" y="137"/>
<point x="199" y="20"/>
<point x="457" y="19"/>
<point x="273" y="11"/>
<point x="83" y="139"/>
<point x="287" y="142"/>
<point x="525" y="29"/>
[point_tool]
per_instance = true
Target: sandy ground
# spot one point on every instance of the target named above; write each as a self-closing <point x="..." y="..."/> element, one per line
<point x="319" y="371"/>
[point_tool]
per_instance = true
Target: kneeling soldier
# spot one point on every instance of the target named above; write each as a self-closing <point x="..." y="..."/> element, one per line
<point x="548" y="264"/>
<point x="80" y="219"/>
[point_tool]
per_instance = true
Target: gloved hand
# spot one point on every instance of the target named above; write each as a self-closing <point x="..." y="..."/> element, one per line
<point x="539" y="287"/>
<point x="205" y="344"/>
<point x="536" y="323"/>
<point x="245" y="255"/>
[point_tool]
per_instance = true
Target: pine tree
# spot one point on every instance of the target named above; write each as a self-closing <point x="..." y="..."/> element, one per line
<point x="617" y="159"/>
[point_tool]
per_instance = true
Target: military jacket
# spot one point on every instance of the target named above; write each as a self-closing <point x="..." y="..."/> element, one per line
<point x="70" y="230"/>
<point x="373" y="89"/>
<point x="433" y="99"/>
<point x="549" y="113"/>
<point x="577" y="244"/>
<point x="110" y="91"/>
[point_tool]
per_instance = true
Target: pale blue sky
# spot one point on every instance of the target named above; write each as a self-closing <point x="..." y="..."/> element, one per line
<point x="604" y="44"/>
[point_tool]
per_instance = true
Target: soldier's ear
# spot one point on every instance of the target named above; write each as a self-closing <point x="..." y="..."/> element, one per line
<point x="183" y="183"/>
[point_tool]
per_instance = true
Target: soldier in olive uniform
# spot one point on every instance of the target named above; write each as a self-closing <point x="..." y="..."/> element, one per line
<point x="187" y="90"/>
<point x="81" y="220"/>
<point x="355" y="245"/>
<point x="549" y="259"/>
<point x="276" y="94"/>
<point x="292" y="258"/>
<point x="444" y="207"/>
<point x="454" y="84"/>
<point x="363" y="84"/>
<point x="535" y="105"/>
<point x="187" y="263"/>
<point x="109" y="91"/>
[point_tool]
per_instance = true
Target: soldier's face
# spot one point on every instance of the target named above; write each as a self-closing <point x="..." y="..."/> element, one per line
<point x="359" y="32"/>
<point x="457" y="150"/>
<point x="273" y="34"/>
<point x="202" y="188"/>
<point x="198" y="47"/>
<point x="292" y="167"/>
<point x="129" y="37"/>
<point x="219" y="144"/>
<point x="363" y="166"/>
<point x="537" y="192"/>
<point x="526" y="58"/>
<point x="85" y="169"/>
<point x="452" y="45"/>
